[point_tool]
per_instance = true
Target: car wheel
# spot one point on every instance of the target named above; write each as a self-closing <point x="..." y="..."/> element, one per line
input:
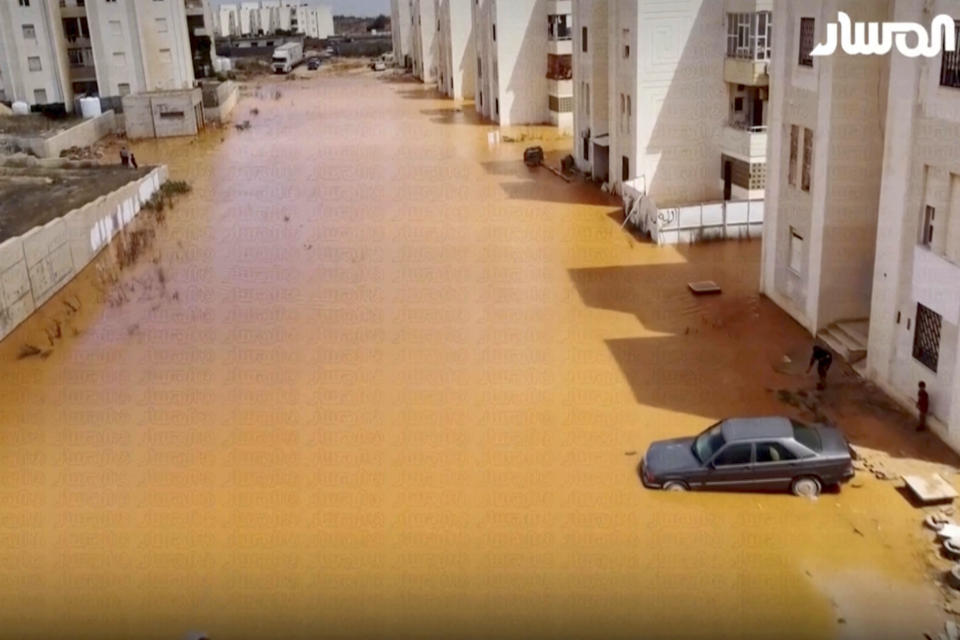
<point x="806" y="487"/>
<point x="674" y="486"/>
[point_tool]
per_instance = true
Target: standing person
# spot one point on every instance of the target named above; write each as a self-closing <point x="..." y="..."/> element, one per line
<point x="823" y="359"/>
<point x="133" y="161"/>
<point x="124" y="156"/>
<point x="923" y="405"/>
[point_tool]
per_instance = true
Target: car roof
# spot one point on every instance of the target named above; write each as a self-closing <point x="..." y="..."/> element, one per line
<point x="753" y="428"/>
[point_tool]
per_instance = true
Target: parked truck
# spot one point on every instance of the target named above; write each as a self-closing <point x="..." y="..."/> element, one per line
<point x="287" y="56"/>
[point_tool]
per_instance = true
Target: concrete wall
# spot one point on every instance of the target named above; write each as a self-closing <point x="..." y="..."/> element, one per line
<point x="34" y="266"/>
<point x="147" y="115"/>
<point x="424" y="40"/>
<point x="81" y="135"/>
<point x="222" y="101"/>
<point x="400" y="30"/>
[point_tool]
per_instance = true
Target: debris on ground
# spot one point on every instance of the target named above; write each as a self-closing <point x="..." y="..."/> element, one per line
<point x="929" y="488"/>
<point x="704" y="287"/>
<point x="242" y="126"/>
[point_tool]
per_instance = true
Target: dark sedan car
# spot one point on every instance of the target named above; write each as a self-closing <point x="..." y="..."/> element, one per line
<point x="751" y="454"/>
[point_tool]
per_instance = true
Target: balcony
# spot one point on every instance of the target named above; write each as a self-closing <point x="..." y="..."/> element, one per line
<point x="751" y="73"/>
<point x="749" y="143"/>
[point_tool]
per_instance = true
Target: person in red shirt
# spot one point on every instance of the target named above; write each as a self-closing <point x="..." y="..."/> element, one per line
<point x="923" y="405"/>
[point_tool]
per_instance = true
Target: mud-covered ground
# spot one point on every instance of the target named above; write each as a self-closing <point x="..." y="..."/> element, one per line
<point x="374" y="377"/>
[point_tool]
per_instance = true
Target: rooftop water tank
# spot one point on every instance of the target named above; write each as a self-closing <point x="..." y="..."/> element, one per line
<point x="89" y="107"/>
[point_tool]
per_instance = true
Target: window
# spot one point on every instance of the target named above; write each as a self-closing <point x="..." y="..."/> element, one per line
<point x="496" y="106"/>
<point x="559" y="27"/>
<point x="33" y="63"/>
<point x="560" y="67"/>
<point x="119" y="59"/>
<point x="24" y="3"/>
<point x="626" y="43"/>
<point x="123" y="89"/>
<point x="625" y="168"/>
<point x="494" y="27"/>
<point x="161" y="25"/>
<point x="807" y="159"/>
<point x="950" y="65"/>
<point x="708" y="442"/>
<point x="796" y="252"/>
<point x="926" y="231"/>
<point x="762" y="35"/>
<point x="738" y="104"/>
<point x="806" y="436"/>
<point x="479" y="68"/>
<point x="115" y="27"/>
<point x="773" y="452"/>
<point x="40" y="96"/>
<point x="734" y="454"/>
<point x="171" y="115"/>
<point x="794" y="148"/>
<point x="165" y="55"/>
<point x="586" y="148"/>
<point x="586" y="98"/>
<point x="629" y="112"/>
<point x="583" y="39"/>
<point x="926" y="337"/>
<point x="806" y="42"/>
<point x="29" y="33"/>
<point x="75" y="56"/>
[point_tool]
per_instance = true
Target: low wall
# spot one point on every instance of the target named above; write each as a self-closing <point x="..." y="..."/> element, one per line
<point x="220" y="101"/>
<point x="701" y="222"/>
<point x="80" y="135"/>
<point x="34" y="266"/>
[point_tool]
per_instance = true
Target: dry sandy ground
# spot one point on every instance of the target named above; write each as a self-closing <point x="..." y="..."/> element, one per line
<point x="377" y="378"/>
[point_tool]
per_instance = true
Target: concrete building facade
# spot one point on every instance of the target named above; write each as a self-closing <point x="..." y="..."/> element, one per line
<point x="51" y="51"/>
<point x="265" y="17"/>
<point x="862" y="238"/>
<point x="524" y="61"/>
<point x="671" y="98"/>
<point x="33" y="59"/>
<point x="824" y="169"/>
<point x="402" y="32"/>
<point x="424" y="40"/>
<point x="456" y="52"/>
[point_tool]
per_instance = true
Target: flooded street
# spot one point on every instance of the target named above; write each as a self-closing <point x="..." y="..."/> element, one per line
<point x="377" y="378"/>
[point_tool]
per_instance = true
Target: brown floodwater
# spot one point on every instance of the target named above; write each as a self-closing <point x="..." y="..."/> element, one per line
<point x="376" y="378"/>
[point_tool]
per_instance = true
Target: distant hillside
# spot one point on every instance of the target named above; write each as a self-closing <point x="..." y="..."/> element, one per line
<point x="354" y="25"/>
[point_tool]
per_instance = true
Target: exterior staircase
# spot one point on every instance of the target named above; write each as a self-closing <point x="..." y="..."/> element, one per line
<point x="848" y="339"/>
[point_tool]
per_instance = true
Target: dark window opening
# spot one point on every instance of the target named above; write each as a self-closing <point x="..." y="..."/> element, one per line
<point x="583" y="40"/>
<point x="806" y="41"/>
<point x="950" y="66"/>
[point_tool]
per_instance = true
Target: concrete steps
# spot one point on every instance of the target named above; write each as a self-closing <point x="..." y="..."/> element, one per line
<point x="848" y="339"/>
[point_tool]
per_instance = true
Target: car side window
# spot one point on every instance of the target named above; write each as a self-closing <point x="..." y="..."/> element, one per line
<point x="773" y="452"/>
<point x="734" y="454"/>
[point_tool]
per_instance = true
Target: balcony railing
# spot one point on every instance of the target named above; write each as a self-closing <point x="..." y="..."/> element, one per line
<point x="751" y="128"/>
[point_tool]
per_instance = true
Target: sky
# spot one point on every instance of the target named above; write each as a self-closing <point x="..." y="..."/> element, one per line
<point x="345" y="7"/>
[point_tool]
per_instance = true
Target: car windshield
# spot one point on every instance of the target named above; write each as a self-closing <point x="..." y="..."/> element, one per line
<point x="708" y="443"/>
<point x="807" y="436"/>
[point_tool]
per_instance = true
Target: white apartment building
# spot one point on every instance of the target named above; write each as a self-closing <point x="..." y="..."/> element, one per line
<point x="264" y="17"/>
<point x="591" y="71"/>
<point x="228" y="22"/>
<point x="456" y="52"/>
<point x="401" y="32"/>
<point x="671" y="97"/>
<point x="51" y="50"/>
<point x="33" y="58"/>
<point x="423" y="45"/>
<point x="524" y="61"/>
<point x="862" y="234"/>
<point x="915" y="306"/>
<point x="138" y="46"/>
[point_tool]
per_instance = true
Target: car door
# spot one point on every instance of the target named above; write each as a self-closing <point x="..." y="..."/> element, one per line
<point x="774" y="466"/>
<point x="731" y="468"/>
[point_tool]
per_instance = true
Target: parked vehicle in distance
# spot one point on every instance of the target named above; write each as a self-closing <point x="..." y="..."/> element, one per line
<point x="313" y="64"/>
<point x="287" y="56"/>
<point x="751" y="454"/>
<point x="379" y="65"/>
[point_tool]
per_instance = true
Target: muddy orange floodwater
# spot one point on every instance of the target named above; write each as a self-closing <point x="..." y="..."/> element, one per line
<point x="376" y="378"/>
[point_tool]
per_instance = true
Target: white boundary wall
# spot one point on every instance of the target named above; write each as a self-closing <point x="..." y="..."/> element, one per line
<point x="80" y="135"/>
<point x="37" y="264"/>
